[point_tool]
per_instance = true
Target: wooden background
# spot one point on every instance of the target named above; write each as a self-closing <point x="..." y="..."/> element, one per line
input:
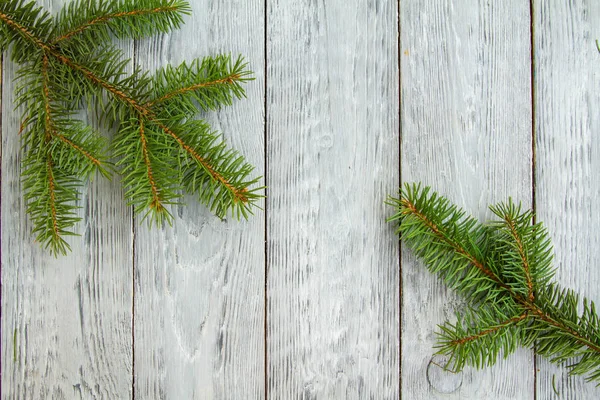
<point x="313" y="298"/>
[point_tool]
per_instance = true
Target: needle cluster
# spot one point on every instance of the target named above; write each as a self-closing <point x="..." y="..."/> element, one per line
<point x="161" y="150"/>
<point x="503" y="269"/>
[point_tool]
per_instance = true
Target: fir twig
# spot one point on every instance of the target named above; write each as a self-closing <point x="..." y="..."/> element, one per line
<point x="504" y="269"/>
<point x="160" y="148"/>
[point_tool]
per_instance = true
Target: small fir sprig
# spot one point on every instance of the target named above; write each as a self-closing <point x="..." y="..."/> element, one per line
<point x="503" y="269"/>
<point x="161" y="150"/>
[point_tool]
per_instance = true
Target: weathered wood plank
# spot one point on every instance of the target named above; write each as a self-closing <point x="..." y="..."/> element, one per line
<point x="66" y="322"/>
<point x="199" y="295"/>
<point x="567" y="78"/>
<point x="466" y="130"/>
<point x="333" y="278"/>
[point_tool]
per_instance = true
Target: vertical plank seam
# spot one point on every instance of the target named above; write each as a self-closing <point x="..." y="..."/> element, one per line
<point x="398" y="8"/>
<point x="133" y="255"/>
<point x="265" y="165"/>
<point x="1" y="186"/>
<point x="533" y="154"/>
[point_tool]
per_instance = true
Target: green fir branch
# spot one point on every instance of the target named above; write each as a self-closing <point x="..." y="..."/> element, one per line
<point x="504" y="269"/>
<point x="208" y="83"/>
<point x="69" y="61"/>
<point x="219" y="176"/>
<point x="148" y="163"/>
<point x="480" y="335"/>
<point x="452" y="244"/>
<point x="88" y="21"/>
<point x="79" y="150"/>
<point x="50" y="194"/>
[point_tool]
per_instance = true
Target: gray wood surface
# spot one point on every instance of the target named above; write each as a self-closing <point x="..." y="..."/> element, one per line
<point x="313" y="298"/>
<point x="568" y="158"/>
<point x="66" y="322"/>
<point x="466" y="130"/>
<point x="332" y="106"/>
<point x="199" y="291"/>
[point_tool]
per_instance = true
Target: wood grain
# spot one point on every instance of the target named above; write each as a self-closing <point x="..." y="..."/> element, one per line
<point x="179" y="312"/>
<point x="568" y="158"/>
<point x="199" y="294"/>
<point x="466" y="130"/>
<point x="66" y="322"/>
<point x="333" y="288"/>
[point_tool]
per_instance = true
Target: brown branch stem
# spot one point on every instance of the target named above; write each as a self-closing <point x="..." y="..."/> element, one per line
<point x="485" y="332"/>
<point x="156" y="202"/>
<point x="78" y="148"/>
<point x="229" y="79"/>
<point x="239" y="194"/>
<point x="108" y="17"/>
<point x="46" y="94"/>
<point x="48" y="132"/>
<point x="22" y="30"/>
<point x="455" y="246"/>
<point x="52" y="194"/>
<point x="513" y="232"/>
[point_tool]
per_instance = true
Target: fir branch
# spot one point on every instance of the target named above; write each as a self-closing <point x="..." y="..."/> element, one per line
<point x="504" y="268"/>
<point x="86" y="156"/>
<point x="511" y="224"/>
<point x="50" y="195"/>
<point x="240" y="195"/>
<point x="451" y="245"/>
<point x="156" y="202"/>
<point x="209" y="84"/>
<point x="525" y="247"/>
<point x="479" y="336"/>
<point x="54" y="231"/>
<point x="160" y="151"/>
<point x="222" y="181"/>
<point x="130" y="18"/>
<point x="47" y="206"/>
<point x="151" y="180"/>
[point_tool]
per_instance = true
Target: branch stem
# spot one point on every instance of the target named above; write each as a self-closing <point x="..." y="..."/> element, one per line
<point x="513" y="232"/>
<point x="229" y="79"/>
<point x="52" y="197"/>
<point x="412" y="209"/>
<point x="239" y="194"/>
<point x="22" y="30"/>
<point x="78" y="148"/>
<point x="156" y="202"/>
<point x="48" y="133"/>
<point x="108" y="17"/>
<point x="501" y="325"/>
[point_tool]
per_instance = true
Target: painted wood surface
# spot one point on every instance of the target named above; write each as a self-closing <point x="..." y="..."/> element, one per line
<point x="467" y="131"/>
<point x="568" y="158"/>
<point x="313" y="298"/>
<point x="66" y="322"/>
<point x="332" y="106"/>
<point x="199" y="288"/>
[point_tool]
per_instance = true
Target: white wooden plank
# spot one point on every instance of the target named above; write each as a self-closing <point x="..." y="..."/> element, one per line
<point x="333" y="277"/>
<point x="199" y="295"/>
<point x="66" y="322"/>
<point x="567" y="79"/>
<point x="466" y="130"/>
